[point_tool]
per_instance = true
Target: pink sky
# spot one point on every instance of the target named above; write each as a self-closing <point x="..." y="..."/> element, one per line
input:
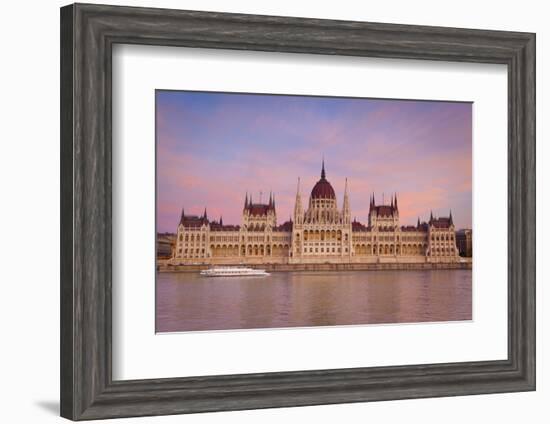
<point x="212" y="148"/>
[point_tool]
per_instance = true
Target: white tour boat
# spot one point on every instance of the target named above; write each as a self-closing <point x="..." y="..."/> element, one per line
<point x="235" y="271"/>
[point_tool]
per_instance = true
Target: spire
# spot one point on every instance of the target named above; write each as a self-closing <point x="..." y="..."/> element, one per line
<point x="246" y="200"/>
<point x="298" y="212"/>
<point x="273" y="205"/>
<point x="431" y="217"/>
<point x="418" y="223"/>
<point x="270" y="198"/>
<point x="221" y="220"/>
<point x="396" y="202"/>
<point x="346" y="209"/>
<point x="182" y="215"/>
<point x="392" y="201"/>
<point x="205" y="216"/>
<point x="450" y="217"/>
<point x="323" y="174"/>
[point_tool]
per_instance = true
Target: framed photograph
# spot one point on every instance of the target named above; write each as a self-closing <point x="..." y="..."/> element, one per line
<point x="324" y="263"/>
<point x="263" y="211"/>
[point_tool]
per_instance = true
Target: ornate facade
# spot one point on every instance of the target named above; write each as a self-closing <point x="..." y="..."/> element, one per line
<point x="320" y="233"/>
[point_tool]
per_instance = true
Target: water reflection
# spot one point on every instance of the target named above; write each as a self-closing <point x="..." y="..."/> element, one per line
<point x="188" y="301"/>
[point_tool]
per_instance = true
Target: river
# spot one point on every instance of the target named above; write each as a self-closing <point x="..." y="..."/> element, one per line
<point x="189" y="302"/>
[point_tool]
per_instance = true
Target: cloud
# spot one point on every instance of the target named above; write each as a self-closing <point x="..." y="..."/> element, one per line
<point x="212" y="148"/>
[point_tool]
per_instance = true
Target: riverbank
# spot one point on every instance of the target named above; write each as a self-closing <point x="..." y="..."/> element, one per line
<point x="330" y="267"/>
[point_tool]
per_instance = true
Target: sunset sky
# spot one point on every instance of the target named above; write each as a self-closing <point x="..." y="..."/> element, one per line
<point x="214" y="147"/>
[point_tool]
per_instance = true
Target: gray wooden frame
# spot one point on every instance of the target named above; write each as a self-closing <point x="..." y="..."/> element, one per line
<point x="88" y="33"/>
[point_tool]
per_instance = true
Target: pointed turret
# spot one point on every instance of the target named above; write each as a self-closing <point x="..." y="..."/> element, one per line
<point x="221" y="220"/>
<point x="298" y="211"/>
<point x="323" y="174"/>
<point x="396" y="207"/>
<point x="246" y="200"/>
<point x="205" y="215"/>
<point x="273" y="204"/>
<point x="182" y="215"/>
<point x="392" y="206"/>
<point x="270" y="199"/>
<point x="431" y="217"/>
<point x="346" y="209"/>
<point x="418" y="223"/>
<point x="450" y="217"/>
<point x="346" y="187"/>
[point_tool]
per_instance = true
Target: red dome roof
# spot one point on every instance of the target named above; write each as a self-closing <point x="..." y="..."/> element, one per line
<point x="323" y="189"/>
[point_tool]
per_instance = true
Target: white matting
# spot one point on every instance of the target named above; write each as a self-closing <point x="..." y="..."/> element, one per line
<point x="139" y="353"/>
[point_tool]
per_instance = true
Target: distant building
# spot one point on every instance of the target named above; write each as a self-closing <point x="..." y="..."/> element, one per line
<point x="464" y="242"/>
<point x="322" y="233"/>
<point x="166" y="243"/>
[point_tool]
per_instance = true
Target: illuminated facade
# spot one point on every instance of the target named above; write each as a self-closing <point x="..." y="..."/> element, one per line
<point x="320" y="233"/>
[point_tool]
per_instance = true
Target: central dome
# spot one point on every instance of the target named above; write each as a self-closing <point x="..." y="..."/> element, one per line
<point x="323" y="189"/>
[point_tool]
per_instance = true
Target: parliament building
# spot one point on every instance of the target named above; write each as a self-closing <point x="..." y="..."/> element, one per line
<point x="320" y="232"/>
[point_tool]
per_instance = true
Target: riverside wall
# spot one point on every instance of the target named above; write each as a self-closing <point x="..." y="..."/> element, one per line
<point x="379" y="266"/>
